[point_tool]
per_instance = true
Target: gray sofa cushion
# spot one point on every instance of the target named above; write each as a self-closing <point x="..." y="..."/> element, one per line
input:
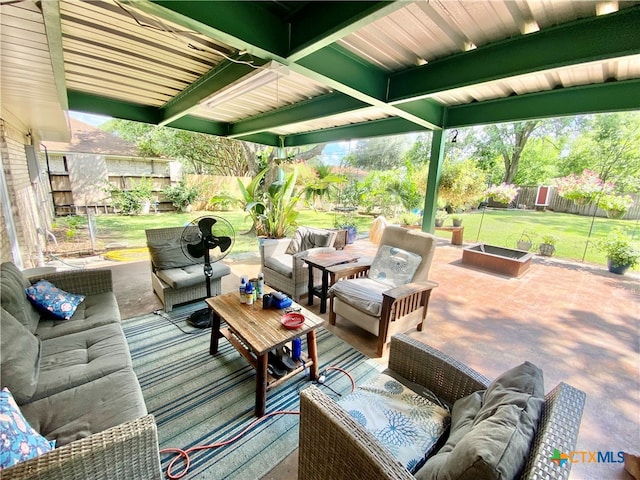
<point x="20" y="357"/>
<point x="13" y="297"/>
<point x="95" y="311"/>
<point x="492" y="445"/>
<point x="283" y="264"/>
<point x="77" y="358"/>
<point x="168" y="254"/>
<point x="306" y="238"/>
<point x="88" y="408"/>
<point x="191" y="275"/>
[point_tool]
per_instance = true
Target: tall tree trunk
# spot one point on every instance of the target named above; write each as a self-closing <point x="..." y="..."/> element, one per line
<point x="511" y="156"/>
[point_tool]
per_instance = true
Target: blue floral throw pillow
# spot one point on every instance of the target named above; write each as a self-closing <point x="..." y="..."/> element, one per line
<point x="49" y="298"/>
<point x="20" y="441"/>
<point x="407" y="424"/>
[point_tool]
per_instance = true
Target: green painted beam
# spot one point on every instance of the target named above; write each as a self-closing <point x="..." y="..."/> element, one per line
<point x="83" y="102"/>
<point x="374" y="128"/>
<point x="599" y="98"/>
<point x="318" y="107"/>
<point x="201" y="125"/>
<point x="433" y="180"/>
<point x="319" y="24"/>
<point x="217" y="78"/>
<point x="424" y="108"/>
<point x="263" y="138"/>
<point x="586" y="40"/>
<point x="242" y="25"/>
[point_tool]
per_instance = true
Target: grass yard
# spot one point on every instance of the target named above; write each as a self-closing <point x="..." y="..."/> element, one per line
<point x="496" y="227"/>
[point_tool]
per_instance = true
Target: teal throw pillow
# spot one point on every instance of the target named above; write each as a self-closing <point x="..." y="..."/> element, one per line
<point x="20" y="441"/>
<point x="49" y="298"/>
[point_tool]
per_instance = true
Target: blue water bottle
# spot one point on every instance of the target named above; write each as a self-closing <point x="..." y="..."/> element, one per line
<point x="296" y="348"/>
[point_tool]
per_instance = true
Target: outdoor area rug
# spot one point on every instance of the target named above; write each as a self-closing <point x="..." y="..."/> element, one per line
<point x="199" y="399"/>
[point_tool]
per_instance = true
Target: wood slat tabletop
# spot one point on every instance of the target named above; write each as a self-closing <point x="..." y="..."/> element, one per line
<point x="260" y="328"/>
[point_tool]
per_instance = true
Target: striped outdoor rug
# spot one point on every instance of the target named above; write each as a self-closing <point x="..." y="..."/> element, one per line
<point x="199" y="399"/>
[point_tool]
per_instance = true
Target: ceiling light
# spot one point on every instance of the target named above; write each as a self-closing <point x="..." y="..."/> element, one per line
<point x="603" y="8"/>
<point x="469" y="46"/>
<point x="530" y="26"/>
<point x="258" y="78"/>
<point x="421" y="61"/>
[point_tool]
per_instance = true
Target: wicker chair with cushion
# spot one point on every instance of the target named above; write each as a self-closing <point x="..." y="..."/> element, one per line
<point x="334" y="445"/>
<point x="392" y="292"/>
<point x="282" y="259"/>
<point x="175" y="277"/>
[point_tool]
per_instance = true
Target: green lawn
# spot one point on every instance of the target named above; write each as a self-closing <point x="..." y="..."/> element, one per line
<point x="499" y="227"/>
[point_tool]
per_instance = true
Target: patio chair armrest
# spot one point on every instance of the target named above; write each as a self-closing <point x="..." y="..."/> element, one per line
<point x="402" y="291"/>
<point x="274" y="246"/>
<point x="349" y="270"/>
<point x="443" y="375"/>
<point x="334" y="446"/>
<point x="557" y="430"/>
<point x="84" y="282"/>
<point x="129" y="450"/>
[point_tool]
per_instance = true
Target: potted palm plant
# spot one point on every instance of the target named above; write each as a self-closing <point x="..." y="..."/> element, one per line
<point x="622" y="252"/>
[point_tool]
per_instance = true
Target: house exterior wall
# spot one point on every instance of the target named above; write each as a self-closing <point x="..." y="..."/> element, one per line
<point x="28" y="214"/>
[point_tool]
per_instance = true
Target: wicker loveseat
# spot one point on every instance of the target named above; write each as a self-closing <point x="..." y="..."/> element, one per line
<point x="333" y="445"/>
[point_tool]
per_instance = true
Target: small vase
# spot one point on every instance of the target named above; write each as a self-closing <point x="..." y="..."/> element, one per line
<point x="457" y="223"/>
<point x="439" y="222"/>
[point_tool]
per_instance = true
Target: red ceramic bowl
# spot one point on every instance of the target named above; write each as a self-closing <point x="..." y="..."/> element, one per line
<point x="292" y="320"/>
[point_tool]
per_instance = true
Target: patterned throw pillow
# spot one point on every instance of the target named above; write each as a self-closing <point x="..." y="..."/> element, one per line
<point x="394" y="266"/>
<point x="49" y="298"/>
<point x="20" y="441"/>
<point x="407" y="424"/>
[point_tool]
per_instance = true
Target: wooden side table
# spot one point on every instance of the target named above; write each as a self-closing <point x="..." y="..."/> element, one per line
<point x="254" y="332"/>
<point x="322" y="261"/>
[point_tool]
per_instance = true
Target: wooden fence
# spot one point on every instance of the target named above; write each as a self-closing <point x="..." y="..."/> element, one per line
<point x="527" y="199"/>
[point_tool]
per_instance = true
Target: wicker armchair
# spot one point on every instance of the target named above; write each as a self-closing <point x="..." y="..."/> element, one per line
<point x="333" y="445"/>
<point x="129" y="450"/>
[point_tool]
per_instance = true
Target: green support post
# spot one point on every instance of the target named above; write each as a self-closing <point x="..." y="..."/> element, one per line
<point x="435" y="167"/>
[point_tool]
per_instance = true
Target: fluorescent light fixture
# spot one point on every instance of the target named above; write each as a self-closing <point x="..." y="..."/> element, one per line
<point x="258" y="78"/>
<point x="603" y="8"/>
<point x="469" y="46"/>
<point x="421" y="61"/>
<point x="530" y="26"/>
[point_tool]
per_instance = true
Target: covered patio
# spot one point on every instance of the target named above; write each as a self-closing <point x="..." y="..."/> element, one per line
<point x="576" y="321"/>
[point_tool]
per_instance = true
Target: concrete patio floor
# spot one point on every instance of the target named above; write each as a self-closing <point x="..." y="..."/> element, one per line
<point x="578" y="322"/>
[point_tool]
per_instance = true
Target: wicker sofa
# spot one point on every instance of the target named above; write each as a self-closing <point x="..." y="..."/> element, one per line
<point x="333" y="445"/>
<point x="74" y="383"/>
<point x="175" y="278"/>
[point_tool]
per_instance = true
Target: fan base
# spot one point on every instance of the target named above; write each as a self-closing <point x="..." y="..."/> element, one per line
<point x="200" y="319"/>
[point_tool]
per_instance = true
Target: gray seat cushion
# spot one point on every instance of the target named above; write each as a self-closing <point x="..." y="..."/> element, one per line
<point x="492" y="441"/>
<point x="81" y="357"/>
<point x="191" y="275"/>
<point x="283" y="264"/>
<point x="363" y="294"/>
<point x="168" y="253"/>
<point x="89" y="408"/>
<point x="20" y="358"/>
<point x="13" y="297"/>
<point x="94" y="311"/>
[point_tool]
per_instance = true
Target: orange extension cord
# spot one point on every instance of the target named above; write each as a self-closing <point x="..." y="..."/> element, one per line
<point x="181" y="454"/>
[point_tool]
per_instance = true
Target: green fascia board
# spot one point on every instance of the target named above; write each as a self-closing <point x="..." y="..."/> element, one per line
<point x="425" y="108"/>
<point x="600" y="98"/>
<point x="263" y="138"/>
<point x="83" y="102"/>
<point x="201" y="125"/>
<point x="247" y="22"/>
<point x="217" y="78"/>
<point x="374" y="128"/>
<point x="317" y="107"/>
<point x="319" y="24"/>
<point x="340" y="65"/>
<point x="597" y="38"/>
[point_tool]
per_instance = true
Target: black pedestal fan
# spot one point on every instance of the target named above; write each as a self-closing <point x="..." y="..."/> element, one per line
<point x="212" y="238"/>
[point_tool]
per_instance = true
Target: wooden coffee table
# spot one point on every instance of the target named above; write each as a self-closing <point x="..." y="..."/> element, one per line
<point x="254" y="331"/>
<point x="322" y="261"/>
